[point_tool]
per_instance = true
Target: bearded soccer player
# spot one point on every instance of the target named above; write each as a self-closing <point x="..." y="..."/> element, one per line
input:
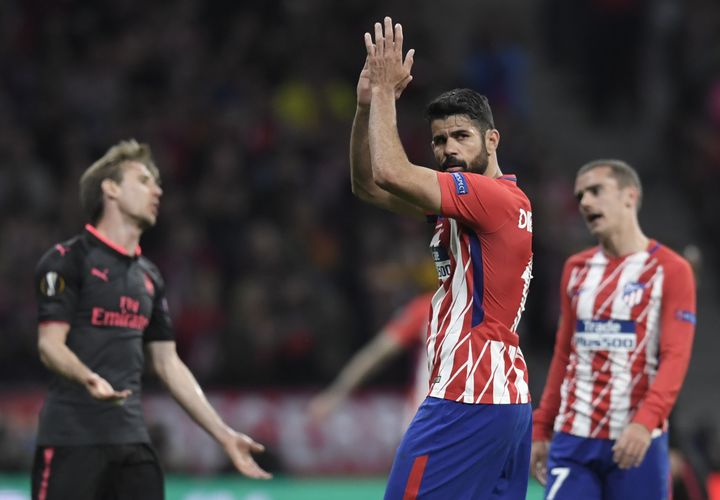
<point x="621" y="352"/>
<point x="101" y="304"/>
<point x="471" y="436"/>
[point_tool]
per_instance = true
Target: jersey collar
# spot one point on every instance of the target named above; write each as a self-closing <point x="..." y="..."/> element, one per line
<point x="108" y="242"/>
<point x="508" y="177"/>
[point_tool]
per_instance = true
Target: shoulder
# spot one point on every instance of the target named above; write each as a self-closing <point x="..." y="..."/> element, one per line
<point x="422" y="300"/>
<point x="63" y="255"/>
<point x="580" y="258"/>
<point x="672" y="261"/>
<point x="151" y="270"/>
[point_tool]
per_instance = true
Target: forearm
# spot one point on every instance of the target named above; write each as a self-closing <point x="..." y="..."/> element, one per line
<point x="360" y="168"/>
<point x="58" y="357"/>
<point x="546" y="412"/>
<point x="662" y="393"/>
<point x="364" y="363"/>
<point x="187" y="392"/>
<point x="387" y="155"/>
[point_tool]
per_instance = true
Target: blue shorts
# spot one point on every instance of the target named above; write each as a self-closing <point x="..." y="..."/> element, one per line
<point x="584" y="468"/>
<point x="463" y="451"/>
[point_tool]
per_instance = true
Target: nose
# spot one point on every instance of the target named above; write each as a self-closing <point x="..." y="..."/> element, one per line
<point x="585" y="202"/>
<point x="451" y="147"/>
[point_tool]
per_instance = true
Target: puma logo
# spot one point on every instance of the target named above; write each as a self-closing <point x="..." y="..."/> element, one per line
<point x="103" y="275"/>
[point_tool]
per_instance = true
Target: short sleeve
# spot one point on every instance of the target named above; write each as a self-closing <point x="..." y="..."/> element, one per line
<point x="57" y="284"/>
<point x="476" y="200"/>
<point x="160" y="327"/>
<point x="406" y="326"/>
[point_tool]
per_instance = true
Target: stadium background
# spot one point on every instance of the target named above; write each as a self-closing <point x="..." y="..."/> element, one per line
<point x="276" y="274"/>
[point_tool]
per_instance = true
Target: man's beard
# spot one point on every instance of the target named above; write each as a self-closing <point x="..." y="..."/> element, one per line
<point x="477" y="165"/>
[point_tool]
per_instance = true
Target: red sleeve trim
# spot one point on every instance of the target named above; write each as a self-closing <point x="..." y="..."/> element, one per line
<point x="51" y="321"/>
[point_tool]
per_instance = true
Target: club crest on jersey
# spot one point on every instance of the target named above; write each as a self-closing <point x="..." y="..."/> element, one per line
<point x="633" y="293"/>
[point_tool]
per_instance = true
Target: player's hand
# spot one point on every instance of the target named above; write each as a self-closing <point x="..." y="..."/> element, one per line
<point x="630" y="448"/>
<point x="538" y="460"/>
<point x="239" y="447"/>
<point x="322" y="405"/>
<point x="99" y="388"/>
<point x="386" y="68"/>
<point x="364" y="93"/>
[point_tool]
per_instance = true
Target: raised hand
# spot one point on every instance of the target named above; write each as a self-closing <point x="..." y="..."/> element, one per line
<point x="385" y="66"/>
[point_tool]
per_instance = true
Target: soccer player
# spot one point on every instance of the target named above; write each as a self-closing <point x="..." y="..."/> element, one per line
<point x="471" y="437"/>
<point x="621" y="352"/>
<point x="100" y="304"/>
<point x="407" y="329"/>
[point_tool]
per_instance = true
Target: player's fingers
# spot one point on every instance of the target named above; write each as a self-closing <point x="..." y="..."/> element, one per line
<point x="250" y="468"/>
<point x="370" y="48"/>
<point x="618" y="454"/>
<point x="542" y="475"/>
<point x="398" y="38"/>
<point x="409" y="60"/>
<point x="379" y="40"/>
<point x="257" y="447"/>
<point x="389" y="35"/>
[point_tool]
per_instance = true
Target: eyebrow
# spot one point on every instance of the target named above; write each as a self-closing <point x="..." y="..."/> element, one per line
<point x="453" y="133"/>
<point x="587" y="188"/>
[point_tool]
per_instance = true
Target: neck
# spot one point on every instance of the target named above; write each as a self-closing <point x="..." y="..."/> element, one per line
<point x="121" y="232"/>
<point x="493" y="170"/>
<point x="625" y="240"/>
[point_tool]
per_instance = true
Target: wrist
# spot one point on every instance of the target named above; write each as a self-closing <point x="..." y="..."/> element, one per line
<point x="362" y="108"/>
<point x="382" y="90"/>
<point x="88" y="378"/>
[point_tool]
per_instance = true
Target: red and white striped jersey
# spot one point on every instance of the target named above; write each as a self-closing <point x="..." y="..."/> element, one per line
<point x="623" y="344"/>
<point x="482" y="249"/>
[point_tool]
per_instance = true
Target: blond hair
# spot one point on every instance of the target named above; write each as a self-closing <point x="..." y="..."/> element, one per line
<point x="110" y="166"/>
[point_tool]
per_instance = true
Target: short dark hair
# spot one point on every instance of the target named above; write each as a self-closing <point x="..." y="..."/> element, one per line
<point x="462" y="102"/>
<point x="623" y="173"/>
<point x="110" y="166"/>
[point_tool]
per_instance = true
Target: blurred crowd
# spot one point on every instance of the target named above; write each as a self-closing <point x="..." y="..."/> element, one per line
<point x="275" y="273"/>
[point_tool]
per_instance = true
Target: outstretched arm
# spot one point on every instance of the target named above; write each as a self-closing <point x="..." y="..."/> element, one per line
<point x="184" y="388"/>
<point x="392" y="171"/>
<point x="382" y="348"/>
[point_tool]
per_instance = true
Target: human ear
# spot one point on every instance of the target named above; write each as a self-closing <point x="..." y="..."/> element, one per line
<point x="492" y="139"/>
<point x="110" y="188"/>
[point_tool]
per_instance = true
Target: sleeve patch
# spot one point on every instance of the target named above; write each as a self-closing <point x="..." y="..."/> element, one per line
<point x="686" y="316"/>
<point x="52" y="284"/>
<point x="461" y="185"/>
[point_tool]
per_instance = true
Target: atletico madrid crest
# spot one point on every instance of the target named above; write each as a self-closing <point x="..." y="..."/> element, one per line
<point x="633" y="293"/>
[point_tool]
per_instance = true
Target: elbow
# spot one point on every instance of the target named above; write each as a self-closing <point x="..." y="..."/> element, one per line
<point x="358" y="192"/>
<point x="363" y="192"/>
<point x="384" y="180"/>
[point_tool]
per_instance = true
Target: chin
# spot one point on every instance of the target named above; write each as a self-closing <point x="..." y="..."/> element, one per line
<point x="146" y="222"/>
